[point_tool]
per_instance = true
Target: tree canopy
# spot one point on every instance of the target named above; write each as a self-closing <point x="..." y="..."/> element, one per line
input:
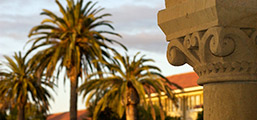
<point x="116" y="82"/>
<point x="19" y="84"/>
<point x="71" y="42"/>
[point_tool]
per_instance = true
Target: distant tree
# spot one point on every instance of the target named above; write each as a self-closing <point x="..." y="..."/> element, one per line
<point x="108" y="114"/>
<point x="70" y="42"/>
<point x="20" y="85"/>
<point x="2" y="102"/>
<point x="145" y="113"/>
<point x="172" y="118"/>
<point x="3" y="115"/>
<point x="33" y="112"/>
<point x="125" y="85"/>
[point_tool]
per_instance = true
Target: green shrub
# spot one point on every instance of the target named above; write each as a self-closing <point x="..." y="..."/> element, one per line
<point x="200" y="116"/>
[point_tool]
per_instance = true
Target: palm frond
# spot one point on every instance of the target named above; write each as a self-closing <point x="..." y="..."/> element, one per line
<point x="125" y="73"/>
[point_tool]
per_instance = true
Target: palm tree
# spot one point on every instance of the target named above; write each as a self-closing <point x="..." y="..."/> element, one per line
<point x="71" y="42"/>
<point x="125" y="85"/>
<point x="19" y="85"/>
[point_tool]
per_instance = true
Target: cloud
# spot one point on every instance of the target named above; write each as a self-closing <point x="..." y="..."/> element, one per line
<point x="133" y="18"/>
<point x="19" y="16"/>
<point x="14" y="30"/>
<point x="144" y="41"/>
<point x="147" y="41"/>
<point x="138" y="26"/>
<point x="3" y="2"/>
<point x="17" y="26"/>
<point x="117" y="3"/>
<point x="25" y="7"/>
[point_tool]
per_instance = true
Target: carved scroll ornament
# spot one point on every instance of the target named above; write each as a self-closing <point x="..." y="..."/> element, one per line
<point x="226" y="52"/>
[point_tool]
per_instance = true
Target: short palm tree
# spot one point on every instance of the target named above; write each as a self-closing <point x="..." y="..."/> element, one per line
<point x="19" y="85"/>
<point x="125" y="85"/>
<point x="70" y="42"/>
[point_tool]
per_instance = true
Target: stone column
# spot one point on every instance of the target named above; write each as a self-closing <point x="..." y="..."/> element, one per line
<point x="218" y="38"/>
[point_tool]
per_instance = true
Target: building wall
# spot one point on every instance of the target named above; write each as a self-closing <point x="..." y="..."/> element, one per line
<point x="189" y="102"/>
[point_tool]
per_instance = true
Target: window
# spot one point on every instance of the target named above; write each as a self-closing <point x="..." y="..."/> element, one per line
<point x="181" y="103"/>
<point x="164" y="103"/>
<point x="168" y="105"/>
<point x="198" y="100"/>
<point x="192" y="101"/>
<point x="188" y="103"/>
<point x="201" y="98"/>
<point x="173" y="108"/>
<point x="178" y="103"/>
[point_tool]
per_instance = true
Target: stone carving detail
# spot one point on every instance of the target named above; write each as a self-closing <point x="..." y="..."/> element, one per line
<point x="226" y="67"/>
<point x="222" y="46"/>
<point x="191" y="41"/>
<point x="176" y="56"/>
<point x="218" y="50"/>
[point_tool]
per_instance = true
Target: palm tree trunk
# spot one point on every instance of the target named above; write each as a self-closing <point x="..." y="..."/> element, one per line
<point x="151" y="105"/>
<point x="73" y="93"/>
<point x="21" y="112"/>
<point x="131" y="112"/>
<point x="73" y="98"/>
<point x="132" y="102"/>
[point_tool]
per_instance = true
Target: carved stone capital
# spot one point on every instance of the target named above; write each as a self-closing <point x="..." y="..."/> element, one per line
<point x="217" y="54"/>
<point x="216" y="37"/>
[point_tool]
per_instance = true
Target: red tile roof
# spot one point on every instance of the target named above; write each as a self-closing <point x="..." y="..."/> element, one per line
<point x="184" y="80"/>
<point x="82" y="115"/>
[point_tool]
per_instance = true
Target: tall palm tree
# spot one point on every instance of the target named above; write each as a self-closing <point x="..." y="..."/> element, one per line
<point x="19" y="84"/>
<point x="70" y="42"/>
<point x="125" y="85"/>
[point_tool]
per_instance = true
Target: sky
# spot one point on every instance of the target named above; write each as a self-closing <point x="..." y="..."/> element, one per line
<point x="135" y="20"/>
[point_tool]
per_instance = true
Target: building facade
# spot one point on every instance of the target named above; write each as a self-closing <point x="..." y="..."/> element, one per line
<point x="189" y="99"/>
